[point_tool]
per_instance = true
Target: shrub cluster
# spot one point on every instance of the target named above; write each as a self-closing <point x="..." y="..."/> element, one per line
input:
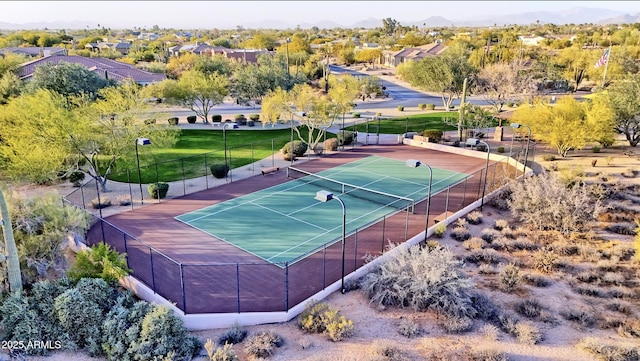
<point x="216" y="118"/>
<point x="158" y="190"/>
<point x="173" y="121"/>
<point x="318" y="317"/>
<point x="95" y="317"/>
<point x="219" y="170"/>
<point x="331" y="144"/>
<point x="263" y="344"/>
<point x="191" y="119"/>
<point x="345" y="137"/>
<point x="299" y="148"/>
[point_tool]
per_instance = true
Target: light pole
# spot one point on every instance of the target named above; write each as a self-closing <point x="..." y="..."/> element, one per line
<point x="325" y="196"/>
<point x="473" y="142"/>
<point x="415" y="164"/>
<point x="224" y="145"/>
<point x="13" y="262"/>
<point x="140" y="141"/>
<point x="526" y="152"/>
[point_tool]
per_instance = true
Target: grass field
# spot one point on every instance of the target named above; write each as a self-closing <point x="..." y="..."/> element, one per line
<point x="410" y="123"/>
<point x="196" y="150"/>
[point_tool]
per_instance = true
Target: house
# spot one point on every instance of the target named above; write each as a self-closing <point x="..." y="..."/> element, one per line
<point x="105" y="68"/>
<point x="34" y="51"/>
<point x="197" y="48"/>
<point x="121" y="47"/>
<point x="244" y="55"/>
<point x="531" y="40"/>
<point x="392" y="59"/>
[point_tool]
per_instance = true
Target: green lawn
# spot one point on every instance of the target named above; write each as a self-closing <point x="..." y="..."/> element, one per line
<point x="410" y="123"/>
<point x="196" y="150"/>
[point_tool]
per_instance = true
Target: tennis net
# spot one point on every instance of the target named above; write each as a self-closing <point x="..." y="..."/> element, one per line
<point x="383" y="198"/>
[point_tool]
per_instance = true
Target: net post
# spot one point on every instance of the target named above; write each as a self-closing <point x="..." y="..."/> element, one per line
<point x="286" y="286"/>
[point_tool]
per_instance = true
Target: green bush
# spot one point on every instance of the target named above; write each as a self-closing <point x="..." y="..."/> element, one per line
<point x="510" y="104"/>
<point x="191" y="119"/>
<point x="99" y="261"/>
<point x="356" y="115"/>
<point x="232" y="336"/>
<point x="219" y="170"/>
<point x="216" y="118"/>
<point x="254" y="117"/>
<point x="149" y="121"/>
<point x="319" y="317"/>
<point x="104" y="202"/>
<point x="345" y="137"/>
<point x="163" y="334"/>
<point x="173" y="121"/>
<point x="500" y="149"/>
<point x="76" y="177"/>
<point x="431" y="106"/>
<point x="595" y="149"/>
<point x="510" y="278"/>
<point x="81" y="319"/>
<point x="240" y="119"/>
<point x="263" y="344"/>
<point x="422" y="106"/>
<point x="433" y="134"/>
<point x="158" y="190"/>
<point x="548" y="157"/>
<point x="331" y="144"/>
<point x="401" y="108"/>
<point x="299" y="148"/>
<point x="224" y="353"/>
<point x="121" y="327"/>
<point x="20" y="322"/>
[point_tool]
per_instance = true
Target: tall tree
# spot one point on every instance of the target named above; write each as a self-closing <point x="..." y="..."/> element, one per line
<point x="624" y="95"/>
<point x="568" y="123"/>
<point x="500" y="83"/>
<point x="69" y="80"/>
<point x="197" y="91"/>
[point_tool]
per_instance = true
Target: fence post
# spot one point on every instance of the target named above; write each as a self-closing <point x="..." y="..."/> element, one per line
<point x="206" y="175"/>
<point x="238" y="284"/>
<point x="126" y="250"/>
<point x="230" y="167"/>
<point x="286" y="286"/>
<point x="273" y="152"/>
<point x="384" y="227"/>
<point x="153" y="276"/>
<point x="130" y="191"/>
<point x="184" y="298"/>
<point x="253" y="161"/>
<point x="84" y="204"/>
<point x="184" y="184"/>
<point x="464" y="192"/>
<point x="355" y="250"/>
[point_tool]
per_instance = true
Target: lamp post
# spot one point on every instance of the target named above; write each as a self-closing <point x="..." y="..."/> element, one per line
<point x="224" y="145"/>
<point x="415" y="164"/>
<point x="526" y="152"/>
<point x="11" y="257"/>
<point x="473" y="142"/>
<point x="325" y="196"/>
<point x="140" y="141"/>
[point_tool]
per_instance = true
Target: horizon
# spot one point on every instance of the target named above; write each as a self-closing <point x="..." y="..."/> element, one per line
<point x="227" y="14"/>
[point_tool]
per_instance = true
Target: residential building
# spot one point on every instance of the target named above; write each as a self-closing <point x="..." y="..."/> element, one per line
<point x="105" y="68"/>
<point x="531" y="40"/>
<point x="392" y="59"/>
<point x="34" y="51"/>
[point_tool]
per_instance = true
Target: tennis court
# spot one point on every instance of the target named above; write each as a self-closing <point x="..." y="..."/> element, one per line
<point x="284" y="223"/>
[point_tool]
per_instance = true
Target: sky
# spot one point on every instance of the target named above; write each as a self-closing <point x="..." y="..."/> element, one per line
<point x="229" y="14"/>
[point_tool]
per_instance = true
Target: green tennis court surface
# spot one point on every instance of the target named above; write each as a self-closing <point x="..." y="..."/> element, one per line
<point x="284" y="223"/>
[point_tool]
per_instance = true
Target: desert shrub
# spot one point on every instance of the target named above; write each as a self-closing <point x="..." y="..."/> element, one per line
<point x="299" y="148"/>
<point x="485" y="355"/>
<point x="81" y="319"/>
<point x="500" y="149"/>
<point x="582" y="318"/>
<point x="401" y="108"/>
<point x="589" y="290"/>
<point x="337" y="326"/>
<point x="489" y="332"/>
<point x="529" y="308"/>
<point x="528" y="333"/>
<point x="440" y="229"/>
<point x="409" y="328"/>
<point x="331" y="144"/>
<point x="240" y="119"/>
<point x="460" y="233"/>
<point x="254" y="117"/>
<point x="474" y="217"/>
<point x="219" y="170"/>
<point x="76" y="177"/>
<point x="431" y="106"/>
<point x="509" y="278"/>
<point x="163" y="334"/>
<point x="485" y="307"/>
<point x="490" y="256"/>
<point x="20" y="322"/>
<point x="636" y="241"/>
<point x="595" y="149"/>
<point x="216" y="118"/>
<point x="263" y="344"/>
<point x="607" y="351"/>
<point x="345" y="137"/>
<point x="173" y="121"/>
<point x="101" y="203"/>
<point x="158" y="190"/>
<point x="474" y="243"/>
<point x="318" y="317"/>
<point x="629" y="173"/>
<point x="99" y="261"/>
<point x="422" y="106"/>
<point x="433" y="134"/>
<point x="507" y="322"/>
<point x="489" y="235"/>
<point x="548" y="157"/>
<point x="457" y="324"/>
<point x="356" y="115"/>
<point x="421" y="279"/>
<point x="546" y="203"/>
<point x="224" y="353"/>
<point x="537" y="281"/>
<point x="150" y="121"/>
<point x="621" y="307"/>
<point x="121" y="327"/>
<point x="383" y="350"/>
<point x="123" y="200"/>
<point x="232" y="336"/>
<point x="545" y="260"/>
<point x="613" y="279"/>
<point x="500" y="224"/>
<point x="486" y="269"/>
<point x="191" y="119"/>
<point x="629" y="328"/>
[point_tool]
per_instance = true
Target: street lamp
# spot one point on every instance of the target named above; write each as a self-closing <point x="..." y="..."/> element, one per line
<point x="526" y="152"/>
<point x="473" y="142"/>
<point x="140" y="141"/>
<point x="224" y="142"/>
<point x="413" y="163"/>
<point x="325" y="196"/>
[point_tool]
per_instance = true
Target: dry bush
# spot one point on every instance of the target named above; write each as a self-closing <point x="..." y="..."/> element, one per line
<point x="500" y="224"/>
<point x="621" y="307"/>
<point x="487" y="269"/>
<point x="457" y="324"/>
<point x="537" y="280"/>
<point x="607" y="351"/>
<point x="474" y="243"/>
<point x="529" y="308"/>
<point x="544" y="260"/>
<point x="474" y="217"/>
<point x="630" y="328"/>
<point x="485" y="355"/>
<point x="580" y="317"/>
<point x="509" y="278"/>
<point x="489" y="234"/>
<point x="489" y="332"/>
<point x="460" y="233"/>
<point x="383" y="350"/>
<point x="409" y="328"/>
<point x="487" y="255"/>
<point x="545" y="202"/>
<point x="528" y="333"/>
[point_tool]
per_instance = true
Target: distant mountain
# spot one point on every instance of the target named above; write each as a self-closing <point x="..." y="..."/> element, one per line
<point x="48" y="25"/>
<point x="367" y="23"/>
<point x="622" y="19"/>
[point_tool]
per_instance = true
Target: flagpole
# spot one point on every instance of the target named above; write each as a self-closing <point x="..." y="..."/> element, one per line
<point x="606" y="64"/>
